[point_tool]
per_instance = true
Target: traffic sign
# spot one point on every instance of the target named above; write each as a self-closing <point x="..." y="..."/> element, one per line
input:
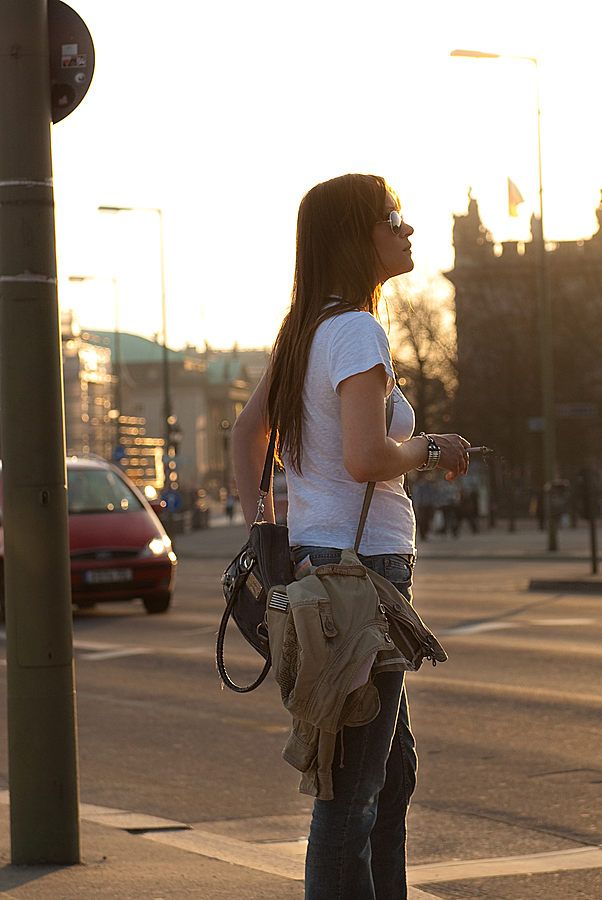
<point x="71" y="58"/>
<point x="173" y="501"/>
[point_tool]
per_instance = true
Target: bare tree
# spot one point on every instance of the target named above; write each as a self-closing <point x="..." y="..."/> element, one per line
<point x="423" y="342"/>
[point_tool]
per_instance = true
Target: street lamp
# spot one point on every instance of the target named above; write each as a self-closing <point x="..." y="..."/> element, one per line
<point x="167" y="411"/>
<point x="545" y="313"/>
<point x="117" y="397"/>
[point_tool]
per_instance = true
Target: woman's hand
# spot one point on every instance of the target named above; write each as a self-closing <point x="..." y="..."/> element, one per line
<point x="454" y="458"/>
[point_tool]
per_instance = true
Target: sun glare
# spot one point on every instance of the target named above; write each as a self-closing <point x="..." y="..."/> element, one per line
<point x="229" y="164"/>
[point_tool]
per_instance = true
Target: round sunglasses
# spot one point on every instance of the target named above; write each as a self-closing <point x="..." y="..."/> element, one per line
<point x="394" y="220"/>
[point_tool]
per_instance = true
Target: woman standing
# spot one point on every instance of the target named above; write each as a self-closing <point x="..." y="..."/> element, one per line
<point x="326" y="386"/>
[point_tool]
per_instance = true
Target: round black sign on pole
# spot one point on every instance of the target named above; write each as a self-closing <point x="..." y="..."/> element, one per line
<point x="71" y="58"/>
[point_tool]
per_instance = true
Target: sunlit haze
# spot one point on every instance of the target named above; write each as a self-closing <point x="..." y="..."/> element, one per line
<point x="223" y="115"/>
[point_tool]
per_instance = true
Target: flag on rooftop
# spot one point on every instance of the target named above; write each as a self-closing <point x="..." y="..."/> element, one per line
<point x="515" y="198"/>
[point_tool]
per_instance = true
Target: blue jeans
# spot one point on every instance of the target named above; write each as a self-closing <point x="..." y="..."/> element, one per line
<point x="357" y="842"/>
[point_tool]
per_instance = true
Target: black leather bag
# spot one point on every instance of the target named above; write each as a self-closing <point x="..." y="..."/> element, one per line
<point x="265" y="560"/>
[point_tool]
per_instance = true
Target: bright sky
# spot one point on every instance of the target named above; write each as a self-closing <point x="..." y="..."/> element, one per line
<point x="224" y="114"/>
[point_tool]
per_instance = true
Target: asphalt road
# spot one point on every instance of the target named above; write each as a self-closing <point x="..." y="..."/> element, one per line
<point x="509" y="729"/>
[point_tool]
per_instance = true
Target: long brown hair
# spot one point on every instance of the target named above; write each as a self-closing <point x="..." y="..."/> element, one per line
<point x="335" y="256"/>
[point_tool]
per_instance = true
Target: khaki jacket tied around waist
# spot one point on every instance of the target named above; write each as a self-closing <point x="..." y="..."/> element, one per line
<point x="328" y="631"/>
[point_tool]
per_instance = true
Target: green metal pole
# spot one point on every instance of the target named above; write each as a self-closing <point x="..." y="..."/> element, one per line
<point x="42" y="740"/>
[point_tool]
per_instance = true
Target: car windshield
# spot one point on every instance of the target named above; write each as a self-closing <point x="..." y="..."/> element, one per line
<point x="99" y="490"/>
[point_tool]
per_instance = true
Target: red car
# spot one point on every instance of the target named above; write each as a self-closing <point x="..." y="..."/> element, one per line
<point x="119" y="549"/>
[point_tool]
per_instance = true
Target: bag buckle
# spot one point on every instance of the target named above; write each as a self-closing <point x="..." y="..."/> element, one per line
<point x="246" y="559"/>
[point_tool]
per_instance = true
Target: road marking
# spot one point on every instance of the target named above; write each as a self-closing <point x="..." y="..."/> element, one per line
<point x="260" y="857"/>
<point x="128" y="821"/>
<point x="475" y="627"/>
<point x="561" y="622"/>
<point x="510" y="691"/>
<point x="534" y="644"/>
<point x="92" y="645"/>
<point x="99" y="651"/>
<point x="552" y="861"/>
<point x="116" y="653"/>
<point x="245" y="658"/>
<point x="488" y="625"/>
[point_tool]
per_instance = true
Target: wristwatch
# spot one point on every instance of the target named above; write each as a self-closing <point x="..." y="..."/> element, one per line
<point x="433" y="456"/>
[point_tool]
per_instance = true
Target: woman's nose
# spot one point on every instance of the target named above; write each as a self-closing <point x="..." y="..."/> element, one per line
<point x="408" y="229"/>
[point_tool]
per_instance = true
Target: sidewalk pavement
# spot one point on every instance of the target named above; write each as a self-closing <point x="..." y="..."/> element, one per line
<point x="135" y="857"/>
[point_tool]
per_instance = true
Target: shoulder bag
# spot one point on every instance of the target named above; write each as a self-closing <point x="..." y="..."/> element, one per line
<point x="264" y="560"/>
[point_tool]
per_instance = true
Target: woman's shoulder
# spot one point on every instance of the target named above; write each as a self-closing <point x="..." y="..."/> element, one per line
<point x="349" y="343"/>
<point x="351" y="322"/>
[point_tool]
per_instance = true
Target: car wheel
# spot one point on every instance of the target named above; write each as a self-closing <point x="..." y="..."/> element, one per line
<point x="158" y="604"/>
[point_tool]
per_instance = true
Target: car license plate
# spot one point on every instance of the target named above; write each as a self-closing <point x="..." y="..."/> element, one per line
<point x="107" y="576"/>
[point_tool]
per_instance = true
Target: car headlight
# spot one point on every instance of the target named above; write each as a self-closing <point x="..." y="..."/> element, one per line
<point x="158" y="546"/>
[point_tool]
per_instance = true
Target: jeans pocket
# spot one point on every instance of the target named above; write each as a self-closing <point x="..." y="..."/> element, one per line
<point x="397" y="571"/>
<point x="319" y="556"/>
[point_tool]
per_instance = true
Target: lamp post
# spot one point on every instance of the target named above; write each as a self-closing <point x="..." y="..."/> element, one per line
<point x="226" y="429"/>
<point x="117" y="397"/>
<point x="545" y="312"/>
<point x="167" y="411"/>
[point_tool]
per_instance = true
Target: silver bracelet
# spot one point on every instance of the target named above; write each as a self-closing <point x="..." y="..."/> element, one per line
<point x="433" y="454"/>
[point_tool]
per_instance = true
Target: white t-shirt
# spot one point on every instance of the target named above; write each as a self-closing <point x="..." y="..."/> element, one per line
<point x="325" y="502"/>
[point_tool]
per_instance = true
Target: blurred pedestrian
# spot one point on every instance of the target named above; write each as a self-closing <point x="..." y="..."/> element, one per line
<point x="468" y="509"/>
<point x="423" y="499"/>
<point x="449" y="499"/>
<point x="326" y="385"/>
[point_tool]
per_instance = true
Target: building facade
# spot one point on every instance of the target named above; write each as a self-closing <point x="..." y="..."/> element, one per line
<point x="206" y="390"/>
<point x="91" y="420"/>
<point x="499" y="397"/>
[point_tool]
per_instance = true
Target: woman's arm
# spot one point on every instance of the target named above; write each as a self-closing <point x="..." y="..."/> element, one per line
<point x="368" y="453"/>
<point x="250" y="436"/>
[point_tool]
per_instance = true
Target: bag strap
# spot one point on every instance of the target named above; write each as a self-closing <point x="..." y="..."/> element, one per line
<point x="266" y="477"/>
<point x="219" y="650"/>
<point x="371" y="484"/>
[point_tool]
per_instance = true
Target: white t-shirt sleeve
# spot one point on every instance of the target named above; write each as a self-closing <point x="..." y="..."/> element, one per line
<point x="358" y="343"/>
